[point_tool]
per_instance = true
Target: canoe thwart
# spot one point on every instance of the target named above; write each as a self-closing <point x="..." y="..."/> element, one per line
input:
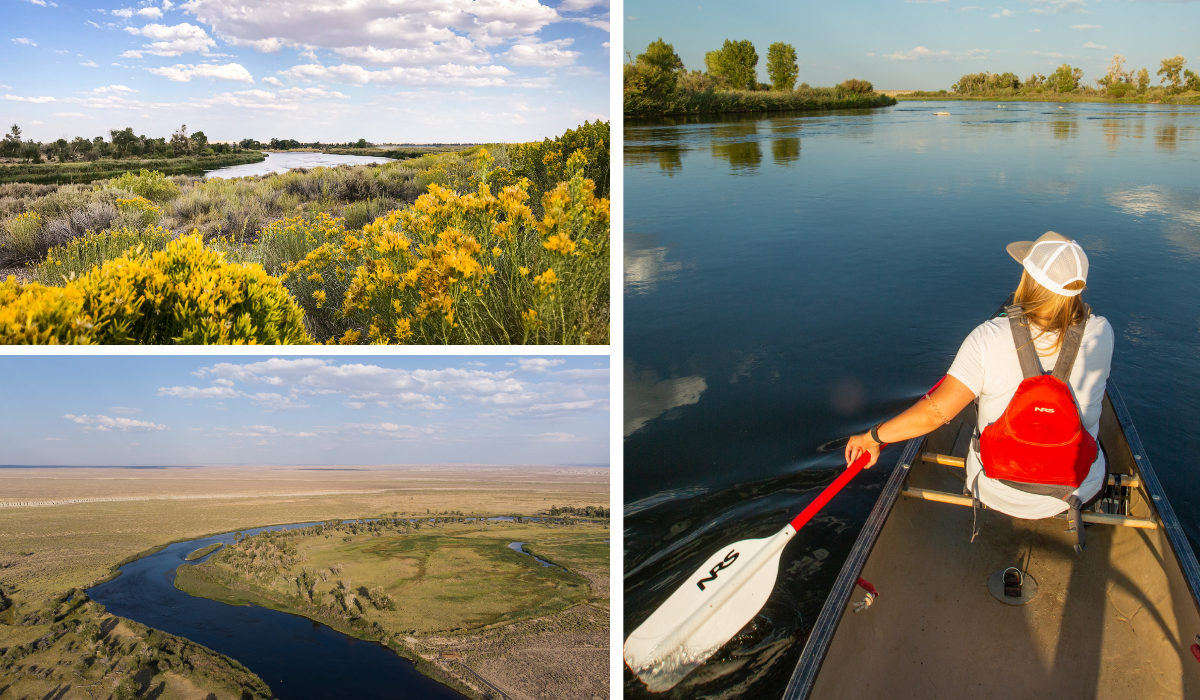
<point x="1088" y="517"/>
<point x="1130" y="480"/>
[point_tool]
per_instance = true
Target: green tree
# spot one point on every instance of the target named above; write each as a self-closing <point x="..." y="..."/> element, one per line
<point x="1191" y="80"/>
<point x="1171" y="70"/>
<point x="11" y="145"/>
<point x="1065" y="79"/>
<point x="199" y="141"/>
<point x="782" y="66"/>
<point x="123" y="141"/>
<point x="735" y="63"/>
<point x="1143" y="79"/>
<point x="1035" y="81"/>
<point x="181" y="145"/>
<point x="862" y="87"/>
<point x="661" y="55"/>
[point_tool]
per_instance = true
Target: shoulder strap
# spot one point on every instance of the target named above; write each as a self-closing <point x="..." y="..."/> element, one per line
<point x="1070" y="348"/>
<point x="1031" y="366"/>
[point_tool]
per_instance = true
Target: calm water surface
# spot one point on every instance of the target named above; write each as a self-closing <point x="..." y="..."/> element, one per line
<point x="300" y="659"/>
<point x="283" y="162"/>
<point x="791" y="280"/>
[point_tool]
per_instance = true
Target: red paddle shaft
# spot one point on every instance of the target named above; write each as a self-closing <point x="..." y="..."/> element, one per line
<point x="843" y="479"/>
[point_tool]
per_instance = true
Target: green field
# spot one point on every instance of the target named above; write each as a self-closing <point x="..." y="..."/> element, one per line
<point x="199" y="553"/>
<point x="106" y="168"/>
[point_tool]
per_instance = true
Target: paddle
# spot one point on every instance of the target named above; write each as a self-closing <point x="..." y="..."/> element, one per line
<point x="716" y="601"/>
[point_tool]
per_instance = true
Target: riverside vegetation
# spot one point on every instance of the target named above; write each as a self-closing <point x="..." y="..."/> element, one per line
<point x="503" y="244"/>
<point x="656" y="83"/>
<point x="424" y="585"/>
<point x="1177" y="84"/>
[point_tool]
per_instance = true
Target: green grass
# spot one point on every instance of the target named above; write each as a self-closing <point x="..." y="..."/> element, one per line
<point x="106" y="168"/>
<point x="203" y="551"/>
<point x="715" y="101"/>
<point x="1187" y="98"/>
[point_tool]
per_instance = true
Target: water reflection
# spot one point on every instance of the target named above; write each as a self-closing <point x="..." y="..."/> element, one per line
<point x="668" y="156"/>
<point x="646" y="397"/>
<point x="737" y="144"/>
<point x="785" y="152"/>
<point x="646" y="264"/>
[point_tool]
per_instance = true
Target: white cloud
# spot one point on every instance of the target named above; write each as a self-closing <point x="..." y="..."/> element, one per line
<point x="151" y="12"/>
<point x="538" y="364"/>
<point x="125" y="411"/>
<point x="69" y="114"/>
<point x="42" y="3"/>
<point x="1045" y="7"/>
<point x="272" y="402"/>
<point x="107" y="424"/>
<point x="450" y="74"/>
<point x="922" y="53"/>
<point x="454" y="50"/>
<point x="132" y="54"/>
<point x="312" y="93"/>
<point x="35" y="100"/>
<point x="174" y="41"/>
<point x="182" y="73"/>
<point x="550" y="54"/>
<point x="1094" y="45"/>
<point x="89" y="64"/>
<point x="385" y="430"/>
<point x="1084" y="27"/>
<point x="968" y="8"/>
<point x="191" y="392"/>
<point x="123" y="13"/>
<point x="577" y="5"/>
<point x="266" y="431"/>
<point x="1048" y="54"/>
<point x="113" y="89"/>
<point x="1003" y="13"/>
<point x="559" y="437"/>
<point x="24" y="41"/>
<point x="272" y="80"/>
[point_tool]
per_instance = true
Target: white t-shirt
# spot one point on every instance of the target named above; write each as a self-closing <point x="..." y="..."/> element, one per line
<point x="987" y="364"/>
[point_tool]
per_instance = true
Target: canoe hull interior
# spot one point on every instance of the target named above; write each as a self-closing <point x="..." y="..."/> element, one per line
<point x="1116" y="622"/>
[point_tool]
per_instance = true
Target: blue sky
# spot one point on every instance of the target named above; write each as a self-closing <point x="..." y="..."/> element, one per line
<point x="926" y="44"/>
<point x="331" y="70"/>
<point x="185" y="410"/>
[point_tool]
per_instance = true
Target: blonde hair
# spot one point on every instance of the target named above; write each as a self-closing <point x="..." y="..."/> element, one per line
<point x="1047" y="312"/>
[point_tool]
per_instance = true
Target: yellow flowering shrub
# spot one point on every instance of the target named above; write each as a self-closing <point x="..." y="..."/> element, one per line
<point x="80" y="255"/>
<point x="183" y="294"/>
<point x="140" y="209"/>
<point x="546" y="163"/>
<point x="469" y="268"/>
<point x="22" y="239"/>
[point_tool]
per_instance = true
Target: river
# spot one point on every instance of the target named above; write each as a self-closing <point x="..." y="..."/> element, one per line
<point x="792" y="279"/>
<point x="300" y="659"/>
<point x="283" y="162"/>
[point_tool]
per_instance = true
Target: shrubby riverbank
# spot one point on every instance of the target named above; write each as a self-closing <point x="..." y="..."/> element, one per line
<point x="1187" y="98"/>
<point x="504" y="244"/>
<point x="106" y="168"/>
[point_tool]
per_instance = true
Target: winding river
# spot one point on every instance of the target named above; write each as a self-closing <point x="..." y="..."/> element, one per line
<point x="281" y="162"/>
<point x="300" y="659"/>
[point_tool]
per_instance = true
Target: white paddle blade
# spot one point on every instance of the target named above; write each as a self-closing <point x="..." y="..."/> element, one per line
<point x="707" y="610"/>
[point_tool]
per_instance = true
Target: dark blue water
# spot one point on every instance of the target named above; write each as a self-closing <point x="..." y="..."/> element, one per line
<point x="791" y="280"/>
<point x="300" y="659"/>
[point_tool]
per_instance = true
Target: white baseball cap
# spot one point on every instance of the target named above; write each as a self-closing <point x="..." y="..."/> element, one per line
<point x="1053" y="260"/>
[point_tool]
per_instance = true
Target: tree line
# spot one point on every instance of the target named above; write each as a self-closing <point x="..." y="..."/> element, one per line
<point x="1174" y="78"/>
<point x="125" y="144"/>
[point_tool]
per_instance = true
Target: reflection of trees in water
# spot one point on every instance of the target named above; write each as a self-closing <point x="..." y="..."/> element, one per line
<point x="655" y="146"/>
<point x="1064" y="129"/>
<point x="1114" y="129"/>
<point x="737" y="144"/>
<point x="1167" y="136"/>
<point x="785" y="151"/>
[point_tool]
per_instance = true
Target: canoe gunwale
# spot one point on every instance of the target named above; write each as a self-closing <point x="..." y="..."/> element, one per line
<point x="1185" y="557"/>
<point x="813" y="654"/>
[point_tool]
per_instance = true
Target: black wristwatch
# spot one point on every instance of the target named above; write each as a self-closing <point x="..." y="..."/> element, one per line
<point x="875" y="434"/>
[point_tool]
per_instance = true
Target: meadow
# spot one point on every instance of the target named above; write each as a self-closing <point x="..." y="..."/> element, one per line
<point x="498" y="244"/>
<point x="65" y="529"/>
<point x="107" y="168"/>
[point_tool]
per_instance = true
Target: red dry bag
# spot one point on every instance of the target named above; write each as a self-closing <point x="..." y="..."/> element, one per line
<point x="1040" y="439"/>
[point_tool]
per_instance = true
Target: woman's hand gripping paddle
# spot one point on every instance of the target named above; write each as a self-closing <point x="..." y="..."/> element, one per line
<point x="716" y="601"/>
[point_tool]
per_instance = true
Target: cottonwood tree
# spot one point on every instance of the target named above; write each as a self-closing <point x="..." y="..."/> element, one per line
<point x="1143" y="79"/>
<point x="782" y="66"/>
<point x="1171" y="70"/>
<point x="1066" y="78"/>
<point x="735" y="63"/>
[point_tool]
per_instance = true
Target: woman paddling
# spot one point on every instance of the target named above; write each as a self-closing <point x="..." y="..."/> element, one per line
<point x="1007" y="469"/>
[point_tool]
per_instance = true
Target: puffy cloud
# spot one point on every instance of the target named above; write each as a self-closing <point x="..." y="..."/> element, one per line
<point x="191" y="392"/>
<point x="922" y="53"/>
<point x="35" y="100"/>
<point x="42" y="3"/>
<point x="24" y="41"/>
<point x="454" y="50"/>
<point x="107" y="424"/>
<point x="173" y="41"/>
<point x="123" y="13"/>
<point x="1003" y="13"/>
<point x="449" y="74"/>
<point x="68" y="114"/>
<point x="1094" y="45"/>
<point x="312" y="93"/>
<point x="385" y="430"/>
<point x="113" y="89"/>
<point x="1045" y="7"/>
<point x="182" y="73"/>
<point x="265" y="431"/>
<point x="131" y="54"/>
<point x="537" y="364"/>
<point x="124" y="410"/>
<point x="89" y="64"/>
<point x="151" y="12"/>
<point x="550" y="54"/>
<point x="273" y="81"/>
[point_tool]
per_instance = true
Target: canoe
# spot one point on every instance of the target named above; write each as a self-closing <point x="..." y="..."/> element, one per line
<point x="1120" y="620"/>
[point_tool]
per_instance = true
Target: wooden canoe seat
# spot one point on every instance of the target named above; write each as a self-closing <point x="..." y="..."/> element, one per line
<point x="1088" y="517"/>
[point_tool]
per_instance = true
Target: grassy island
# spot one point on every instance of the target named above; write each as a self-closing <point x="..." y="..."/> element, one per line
<point x="105" y="168"/>
<point x="200" y="553"/>
<point x="448" y="593"/>
<point x="656" y="84"/>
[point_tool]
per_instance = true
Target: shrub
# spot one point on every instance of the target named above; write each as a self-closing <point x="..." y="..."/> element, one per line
<point x="362" y="213"/>
<point x="80" y="255"/>
<point x="140" y="209"/>
<point x="545" y="163"/>
<point x="22" y="240"/>
<point x="151" y="184"/>
<point x="183" y="294"/>
<point x="473" y="268"/>
<point x="859" y="87"/>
